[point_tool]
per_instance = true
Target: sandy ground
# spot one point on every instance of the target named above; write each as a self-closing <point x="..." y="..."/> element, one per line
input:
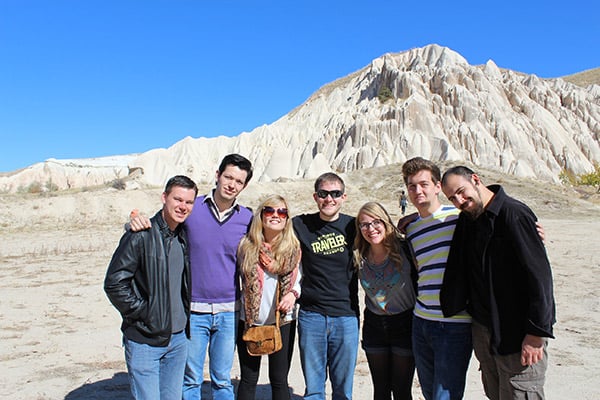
<point x="59" y="336"/>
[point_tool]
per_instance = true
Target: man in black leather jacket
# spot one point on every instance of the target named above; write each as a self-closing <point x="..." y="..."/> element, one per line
<point x="148" y="282"/>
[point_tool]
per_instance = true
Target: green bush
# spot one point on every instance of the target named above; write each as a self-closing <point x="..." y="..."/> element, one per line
<point x="567" y="177"/>
<point x="591" y="179"/>
<point x="385" y="94"/>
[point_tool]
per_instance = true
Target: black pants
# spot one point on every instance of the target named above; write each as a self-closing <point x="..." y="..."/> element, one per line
<point x="279" y="365"/>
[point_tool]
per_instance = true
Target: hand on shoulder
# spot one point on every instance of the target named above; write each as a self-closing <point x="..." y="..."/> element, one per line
<point x="405" y="221"/>
<point x="138" y="221"/>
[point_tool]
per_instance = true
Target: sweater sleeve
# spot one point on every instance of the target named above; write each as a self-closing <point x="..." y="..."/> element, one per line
<point x="532" y="255"/>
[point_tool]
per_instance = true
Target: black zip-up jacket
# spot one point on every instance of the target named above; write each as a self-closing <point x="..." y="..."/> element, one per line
<point x="137" y="282"/>
<point x="517" y="277"/>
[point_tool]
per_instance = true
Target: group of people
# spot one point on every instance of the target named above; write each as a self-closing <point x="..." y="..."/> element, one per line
<point x="437" y="285"/>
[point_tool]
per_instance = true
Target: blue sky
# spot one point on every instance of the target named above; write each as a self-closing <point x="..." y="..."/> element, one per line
<point x="91" y="78"/>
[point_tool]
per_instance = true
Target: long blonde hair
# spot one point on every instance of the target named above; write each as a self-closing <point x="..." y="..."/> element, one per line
<point x="392" y="239"/>
<point x="284" y="247"/>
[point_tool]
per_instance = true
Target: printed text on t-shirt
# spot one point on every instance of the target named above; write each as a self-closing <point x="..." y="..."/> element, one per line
<point x="330" y="243"/>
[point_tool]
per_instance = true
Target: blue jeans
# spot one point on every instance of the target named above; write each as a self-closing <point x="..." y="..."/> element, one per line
<point x="156" y="372"/>
<point x="327" y="345"/>
<point x="442" y="352"/>
<point x="217" y="333"/>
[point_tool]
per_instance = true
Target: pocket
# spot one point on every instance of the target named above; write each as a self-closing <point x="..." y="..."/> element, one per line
<point x="530" y="389"/>
<point x="528" y="380"/>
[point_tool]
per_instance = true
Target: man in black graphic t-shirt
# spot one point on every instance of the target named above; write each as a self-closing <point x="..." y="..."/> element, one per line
<point x="328" y="317"/>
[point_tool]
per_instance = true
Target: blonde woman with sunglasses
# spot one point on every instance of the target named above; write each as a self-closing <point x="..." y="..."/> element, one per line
<point x="388" y="277"/>
<point x="267" y="256"/>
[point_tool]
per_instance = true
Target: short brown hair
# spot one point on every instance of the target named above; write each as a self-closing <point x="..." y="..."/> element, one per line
<point x="418" y="164"/>
<point x="329" y="177"/>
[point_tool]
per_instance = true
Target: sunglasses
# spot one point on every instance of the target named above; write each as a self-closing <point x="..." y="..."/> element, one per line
<point x="270" y="211"/>
<point x="322" y="194"/>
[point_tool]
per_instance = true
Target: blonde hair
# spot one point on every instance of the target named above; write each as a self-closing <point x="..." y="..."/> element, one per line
<point x="392" y="237"/>
<point x="284" y="247"/>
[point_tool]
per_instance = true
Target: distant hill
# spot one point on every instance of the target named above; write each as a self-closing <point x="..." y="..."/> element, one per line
<point x="426" y="101"/>
<point x="585" y="78"/>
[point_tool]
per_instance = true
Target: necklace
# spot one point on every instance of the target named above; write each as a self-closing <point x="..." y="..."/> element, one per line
<point x="378" y="261"/>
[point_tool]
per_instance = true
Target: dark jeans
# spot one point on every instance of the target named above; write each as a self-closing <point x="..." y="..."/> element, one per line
<point x="279" y="365"/>
<point x="442" y="352"/>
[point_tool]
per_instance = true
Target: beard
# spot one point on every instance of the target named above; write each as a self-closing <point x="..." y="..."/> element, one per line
<point x="474" y="207"/>
<point x="474" y="211"/>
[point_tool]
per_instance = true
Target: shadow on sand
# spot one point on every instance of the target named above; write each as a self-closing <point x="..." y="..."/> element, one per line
<point x="117" y="388"/>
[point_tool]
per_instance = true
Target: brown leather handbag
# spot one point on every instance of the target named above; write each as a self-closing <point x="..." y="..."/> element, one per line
<point x="264" y="339"/>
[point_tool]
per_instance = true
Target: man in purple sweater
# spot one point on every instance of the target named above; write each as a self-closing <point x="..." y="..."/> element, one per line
<point x="214" y="230"/>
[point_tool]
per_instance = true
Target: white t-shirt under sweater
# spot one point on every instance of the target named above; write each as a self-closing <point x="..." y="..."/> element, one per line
<point x="430" y="238"/>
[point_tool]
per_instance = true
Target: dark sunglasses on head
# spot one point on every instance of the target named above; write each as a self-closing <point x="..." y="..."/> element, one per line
<point x="270" y="211"/>
<point x="333" y="193"/>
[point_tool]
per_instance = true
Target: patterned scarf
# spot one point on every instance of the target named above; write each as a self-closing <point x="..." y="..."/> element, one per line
<point x="254" y="280"/>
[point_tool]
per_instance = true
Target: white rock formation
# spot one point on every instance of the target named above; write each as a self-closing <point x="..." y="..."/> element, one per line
<point x="68" y="173"/>
<point x="442" y="108"/>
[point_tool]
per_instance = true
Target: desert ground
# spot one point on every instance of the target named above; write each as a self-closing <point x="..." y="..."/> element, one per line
<point x="60" y="338"/>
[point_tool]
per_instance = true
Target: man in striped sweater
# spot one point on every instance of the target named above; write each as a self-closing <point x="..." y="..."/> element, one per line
<point x="441" y="346"/>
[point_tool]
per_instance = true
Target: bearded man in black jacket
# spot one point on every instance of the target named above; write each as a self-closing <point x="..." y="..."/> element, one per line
<point x="498" y="269"/>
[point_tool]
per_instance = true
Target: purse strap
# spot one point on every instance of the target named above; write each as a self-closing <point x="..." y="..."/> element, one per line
<point x="276" y="308"/>
<point x="277" y="304"/>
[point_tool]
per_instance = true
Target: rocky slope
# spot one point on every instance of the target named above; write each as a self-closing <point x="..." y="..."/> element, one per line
<point x="426" y="101"/>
